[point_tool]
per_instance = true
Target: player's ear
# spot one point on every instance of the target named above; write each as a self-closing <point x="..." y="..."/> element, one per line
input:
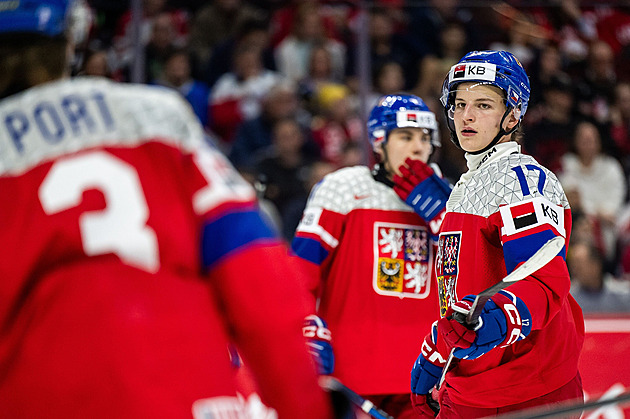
<point x="378" y="151"/>
<point x="511" y="121"/>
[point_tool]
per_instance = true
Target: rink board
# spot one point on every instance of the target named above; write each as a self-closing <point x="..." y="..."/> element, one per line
<point x="605" y="363"/>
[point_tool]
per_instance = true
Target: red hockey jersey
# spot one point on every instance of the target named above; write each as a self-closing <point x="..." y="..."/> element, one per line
<point x="132" y="252"/>
<point x="500" y="212"/>
<point x="372" y="258"/>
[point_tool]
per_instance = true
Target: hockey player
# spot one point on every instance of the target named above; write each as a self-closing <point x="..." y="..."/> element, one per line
<point x="524" y="351"/>
<point x="132" y="252"/>
<point x="371" y="256"/>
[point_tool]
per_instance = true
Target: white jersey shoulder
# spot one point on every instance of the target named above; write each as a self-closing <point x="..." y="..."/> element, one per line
<point x="510" y="179"/>
<point x="354" y="188"/>
<point x="69" y="115"/>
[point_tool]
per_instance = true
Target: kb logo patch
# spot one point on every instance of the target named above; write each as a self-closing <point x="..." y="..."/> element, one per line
<point x="472" y="71"/>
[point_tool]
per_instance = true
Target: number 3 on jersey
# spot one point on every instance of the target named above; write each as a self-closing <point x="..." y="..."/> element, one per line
<point x="121" y="227"/>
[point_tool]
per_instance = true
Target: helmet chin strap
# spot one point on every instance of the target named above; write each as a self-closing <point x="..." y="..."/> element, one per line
<point x="380" y="173"/>
<point x="385" y="161"/>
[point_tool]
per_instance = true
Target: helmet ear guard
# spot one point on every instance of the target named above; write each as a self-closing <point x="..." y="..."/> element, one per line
<point x="495" y="68"/>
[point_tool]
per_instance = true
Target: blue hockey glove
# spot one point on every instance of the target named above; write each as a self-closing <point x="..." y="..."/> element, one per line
<point x="318" y="340"/>
<point x="427" y="369"/>
<point x="505" y="319"/>
<point x="424" y="191"/>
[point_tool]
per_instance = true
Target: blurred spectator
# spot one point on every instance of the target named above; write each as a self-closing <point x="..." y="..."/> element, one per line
<point x="623" y="244"/>
<point x="620" y="127"/>
<point x="546" y="66"/>
<point x="267" y="207"/>
<point x="583" y="228"/>
<point x="214" y="23"/>
<point x="567" y="25"/>
<point x="160" y="46"/>
<point x="597" y="89"/>
<point x="429" y="20"/>
<point x="283" y="171"/>
<point x="293" y="53"/>
<point x="320" y="72"/>
<point x="95" y="63"/>
<point x="177" y="75"/>
<point x="613" y="28"/>
<point x="549" y="127"/>
<point x="237" y="95"/>
<point x="386" y="45"/>
<point x="335" y="16"/>
<point x="620" y="121"/>
<point x="388" y="79"/>
<point x="336" y="124"/>
<point x="520" y="39"/>
<point x="316" y="172"/>
<point x="254" y="137"/>
<point x="453" y="42"/>
<point x="123" y="51"/>
<point x="253" y="32"/>
<point x="593" y="288"/>
<point x="598" y="178"/>
<point x="353" y="155"/>
<point x="310" y="175"/>
<point x="430" y="79"/>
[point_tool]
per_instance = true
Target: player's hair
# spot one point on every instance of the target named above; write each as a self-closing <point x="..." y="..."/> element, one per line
<point x="27" y="60"/>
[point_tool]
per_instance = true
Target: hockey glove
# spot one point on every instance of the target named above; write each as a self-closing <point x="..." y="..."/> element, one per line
<point x="318" y="340"/>
<point x="504" y="320"/>
<point x="427" y="369"/>
<point x="424" y="191"/>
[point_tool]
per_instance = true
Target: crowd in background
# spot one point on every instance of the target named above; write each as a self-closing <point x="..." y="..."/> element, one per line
<point x="276" y="85"/>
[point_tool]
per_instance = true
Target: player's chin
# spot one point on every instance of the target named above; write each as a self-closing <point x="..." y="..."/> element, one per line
<point x="471" y="144"/>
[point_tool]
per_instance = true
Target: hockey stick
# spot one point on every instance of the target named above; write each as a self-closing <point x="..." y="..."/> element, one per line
<point x="544" y="255"/>
<point x="563" y="410"/>
<point x="332" y="384"/>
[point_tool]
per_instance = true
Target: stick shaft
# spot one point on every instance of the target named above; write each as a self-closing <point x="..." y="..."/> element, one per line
<point x="330" y="383"/>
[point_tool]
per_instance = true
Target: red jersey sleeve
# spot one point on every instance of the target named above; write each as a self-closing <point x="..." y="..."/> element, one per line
<point x="256" y="286"/>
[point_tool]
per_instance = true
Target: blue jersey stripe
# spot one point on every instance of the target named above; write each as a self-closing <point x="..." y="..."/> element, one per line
<point x="309" y="249"/>
<point x="232" y="231"/>
<point x="519" y="250"/>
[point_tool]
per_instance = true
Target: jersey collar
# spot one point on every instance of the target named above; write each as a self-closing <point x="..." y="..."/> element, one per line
<point x="475" y="161"/>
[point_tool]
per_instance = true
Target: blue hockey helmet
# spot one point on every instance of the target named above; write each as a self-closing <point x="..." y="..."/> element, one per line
<point x="496" y="68"/>
<point x="45" y="17"/>
<point x="399" y="111"/>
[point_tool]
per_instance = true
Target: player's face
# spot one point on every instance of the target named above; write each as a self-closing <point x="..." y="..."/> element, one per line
<point x="478" y="112"/>
<point x="403" y="143"/>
